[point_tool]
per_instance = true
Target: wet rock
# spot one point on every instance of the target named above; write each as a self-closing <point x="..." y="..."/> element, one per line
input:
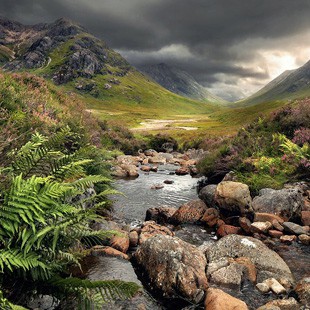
<point x="210" y="217"/>
<point x="169" y="182"/>
<point x="286" y="203"/>
<point x="233" y="198"/>
<point x="267" y="217"/>
<point x="245" y="224"/>
<point x="154" y="169"/>
<point x="207" y="195"/>
<point x="174" y="267"/>
<point x="225" y="230"/>
<point x="288" y="239"/>
<point x="190" y="212"/>
<point x="160" y="215"/>
<point x="99" y="250"/>
<point x="294" y="228"/>
<point x="120" y="242"/>
<point x="219" y="300"/>
<point x="275" y="233"/>
<point x="305" y="218"/>
<point x="133" y="238"/>
<point x="302" y="290"/>
<point x="151" y="229"/>
<point x="281" y="304"/>
<point x="261" y="227"/>
<point x="267" y="262"/>
<point x="182" y="171"/>
<point x="304" y="239"/>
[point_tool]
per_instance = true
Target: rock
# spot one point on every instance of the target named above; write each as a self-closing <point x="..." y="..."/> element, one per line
<point x="275" y="286"/>
<point x="210" y="217"/>
<point x="294" y="228"/>
<point x="190" y="212"/>
<point x="120" y="243"/>
<point x="304" y="239"/>
<point x="225" y="230"/>
<point x="119" y="172"/>
<point x="150" y="229"/>
<point x="160" y="215"/>
<point x="285" y="203"/>
<point x="234" y="198"/>
<point x="193" y="171"/>
<point x="168" y="156"/>
<point x="125" y="170"/>
<point x="157" y="186"/>
<point x="133" y="238"/>
<point x="182" y="171"/>
<point x="219" y="300"/>
<point x="267" y="217"/>
<point x="128" y="160"/>
<point x="305" y="218"/>
<point x="230" y="176"/>
<point x="174" y="267"/>
<point x="43" y="302"/>
<point x="267" y="262"/>
<point x="157" y="160"/>
<point x="250" y="267"/>
<point x="261" y="227"/>
<point x="230" y="276"/>
<point x="150" y="152"/>
<point x="275" y="233"/>
<point x="263" y="287"/>
<point x="302" y="290"/>
<point x="168" y="182"/>
<point x="99" y="250"/>
<point x="207" y="195"/>
<point x="277" y="225"/>
<point x="154" y="169"/>
<point x="245" y="224"/>
<point x="288" y="239"/>
<point x="281" y="304"/>
<point x="146" y="168"/>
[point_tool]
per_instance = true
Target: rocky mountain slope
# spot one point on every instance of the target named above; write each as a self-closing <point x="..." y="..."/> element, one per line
<point x="290" y="84"/>
<point x="179" y="82"/>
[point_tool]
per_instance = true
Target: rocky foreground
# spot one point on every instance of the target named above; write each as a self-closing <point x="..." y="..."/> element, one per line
<point x="213" y="274"/>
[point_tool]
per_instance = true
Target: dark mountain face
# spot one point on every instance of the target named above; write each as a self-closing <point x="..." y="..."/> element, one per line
<point x="179" y="82"/>
<point x="73" y="52"/>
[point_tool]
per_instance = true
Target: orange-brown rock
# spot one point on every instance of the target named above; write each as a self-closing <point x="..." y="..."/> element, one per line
<point x="250" y="267"/>
<point x="150" y="229"/>
<point x="219" y="300"/>
<point x="182" y="171"/>
<point x="277" y="225"/>
<point x="288" y="239"/>
<point x="145" y="168"/>
<point x="120" y="242"/>
<point x="275" y="233"/>
<point x="107" y="251"/>
<point x="160" y="215"/>
<point x="225" y="230"/>
<point x="245" y="224"/>
<point x="190" y="212"/>
<point x="133" y="238"/>
<point x="305" y="218"/>
<point x="210" y="217"/>
<point x="267" y="217"/>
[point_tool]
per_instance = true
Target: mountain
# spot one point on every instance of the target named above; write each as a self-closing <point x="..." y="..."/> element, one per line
<point x="178" y="82"/>
<point x="291" y="84"/>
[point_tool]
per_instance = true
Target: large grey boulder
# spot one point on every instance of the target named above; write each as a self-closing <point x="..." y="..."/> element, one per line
<point x="286" y="203"/>
<point x="207" y="195"/>
<point x="267" y="262"/>
<point x="174" y="267"/>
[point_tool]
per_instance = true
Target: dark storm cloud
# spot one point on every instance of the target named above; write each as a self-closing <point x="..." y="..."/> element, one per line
<point x="211" y="39"/>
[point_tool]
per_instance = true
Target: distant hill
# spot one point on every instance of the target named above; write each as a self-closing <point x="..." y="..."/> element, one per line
<point x="291" y="84"/>
<point x="179" y="82"/>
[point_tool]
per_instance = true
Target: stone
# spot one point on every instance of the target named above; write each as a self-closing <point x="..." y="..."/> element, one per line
<point x="305" y="218"/>
<point x="120" y="242"/>
<point x="150" y="152"/>
<point x="267" y="217"/>
<point x="302" y="290"/>
<point x="277" y="225"/>
<point x="99" y="250"/>
<point x="263" y="287"/>
<point x="174" y="267"/>
<point x="294" y="228"/>
<point x="225" y="230"/>
<point x="160" y="215"/>
<point x="275" y="233"/>
<point x="182" y="171"/>
<point x="219" y="300"/>
<point x="267" y="262"/>
<point x="245" y="224"/>
<point x="150" y="229"/>
<point x="193" y="171"/>
<point x="157" y="186"/>
<point x="145" y="168"/>
<point x="233" y="198"/>
<point x="190" y="212"/>
<point x="281" y="304"/>
<point x="169" y="182"/>
<point x="154" y="169"/>
<point x="250" y="267"/>
<point x="43" y="302"/>
<point x="230" y="176"/>
<point x="285" y="203"/>
<point x="133" y="238"/>
<point x="261" y="227"/>
<point x="210" y="217"/>
<point x="275" y="286"/>
<point x="207" y="195"/>
<point x="304" y="239"/>
<point x="230" y="276"/>
<point x="157" y="160"/>
<point x="288" y="239"/>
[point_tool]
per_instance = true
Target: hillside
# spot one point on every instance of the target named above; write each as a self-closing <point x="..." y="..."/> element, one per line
<point x="291" y="84"/>
<point x="179" y="82"/>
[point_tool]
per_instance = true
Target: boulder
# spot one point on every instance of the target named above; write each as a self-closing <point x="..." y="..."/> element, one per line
<point x="267" y="217"/>
<point x="267" y="262"/>
<point x="174" y="267"/>
<point x="150" y="152"/>
<point x="160" y="215"/>
<point x="305" y="218"/>
<point x="210" y="217"/>
<point x="157" y="160"/>
<point x="150" y="229"/>
<point x="302" y="290"/>
<point x="99" y="250"/>
<point x="120" y="242"/>
<point x="281" y="304"/>
<point x="233" y="198"/>
<point x="285" y="203"/>
<point x="191" y="212"/>
<point x="261" y="227"/>
<point x="207" y="195"/>
<point x="146" y="168"/>
<point x="275" y="233"/>
<point x="219" y="300"/>
<point x="182" y="171"/>
<point x="133" y="238"/>
<point x="225" y="230"/>
<point x="294" y="228"/>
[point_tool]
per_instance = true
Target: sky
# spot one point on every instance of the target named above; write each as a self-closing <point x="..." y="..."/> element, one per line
<point x="232" y="47"/>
